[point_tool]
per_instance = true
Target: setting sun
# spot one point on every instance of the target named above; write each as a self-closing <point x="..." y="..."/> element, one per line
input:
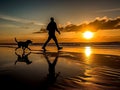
<point x="88" y="35"/>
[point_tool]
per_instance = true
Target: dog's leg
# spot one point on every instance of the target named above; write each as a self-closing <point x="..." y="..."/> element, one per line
<point x="23" y="49"/>
<point x="29" y="48"/>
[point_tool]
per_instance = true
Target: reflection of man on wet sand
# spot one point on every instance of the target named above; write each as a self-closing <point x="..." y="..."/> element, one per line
<point x="23" y="58"/>
<point x="52" y="76"/>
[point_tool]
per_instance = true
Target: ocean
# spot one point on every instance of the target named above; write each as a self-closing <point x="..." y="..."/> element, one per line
<point x="72" y="68"/>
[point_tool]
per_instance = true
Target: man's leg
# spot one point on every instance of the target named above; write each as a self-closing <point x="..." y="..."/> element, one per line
<point x="49" y="38"/>
<point x="56" y="42"/>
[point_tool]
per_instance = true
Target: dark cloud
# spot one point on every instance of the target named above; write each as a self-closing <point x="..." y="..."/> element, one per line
<point x="98" y="24"/>
<point x="104" y="23"/>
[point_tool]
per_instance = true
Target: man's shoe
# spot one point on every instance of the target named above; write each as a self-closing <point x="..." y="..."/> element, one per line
<point x="60" y="48"/>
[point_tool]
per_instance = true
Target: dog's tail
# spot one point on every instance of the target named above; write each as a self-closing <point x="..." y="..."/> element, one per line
<point x="16" y="40"/>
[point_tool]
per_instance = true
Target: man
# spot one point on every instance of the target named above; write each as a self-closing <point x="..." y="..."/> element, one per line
<point x="52" y="27"/>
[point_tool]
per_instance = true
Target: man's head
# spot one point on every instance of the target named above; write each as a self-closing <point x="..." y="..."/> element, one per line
<point x="52" y="19"/>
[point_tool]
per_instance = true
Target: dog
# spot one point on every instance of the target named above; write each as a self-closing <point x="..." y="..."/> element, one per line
<point x="23" y="45"/>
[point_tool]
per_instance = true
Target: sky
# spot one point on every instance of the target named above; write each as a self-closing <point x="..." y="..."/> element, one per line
<point x="21" y="18"/>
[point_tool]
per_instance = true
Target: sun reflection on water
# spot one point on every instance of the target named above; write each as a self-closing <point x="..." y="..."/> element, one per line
<point x="88" y="51"/>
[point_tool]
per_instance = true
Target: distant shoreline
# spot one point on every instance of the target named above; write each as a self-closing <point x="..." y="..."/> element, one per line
<point x="72" y="43"/>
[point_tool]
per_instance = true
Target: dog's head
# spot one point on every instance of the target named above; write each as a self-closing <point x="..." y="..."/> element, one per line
<point x="29" y="41"/>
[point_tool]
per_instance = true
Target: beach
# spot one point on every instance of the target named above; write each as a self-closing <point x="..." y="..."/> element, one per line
<point x="72" y="68"/>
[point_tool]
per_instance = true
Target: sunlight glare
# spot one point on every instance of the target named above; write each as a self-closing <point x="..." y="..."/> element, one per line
<point x="87" y="51"/>
<point x="87" y="34"/>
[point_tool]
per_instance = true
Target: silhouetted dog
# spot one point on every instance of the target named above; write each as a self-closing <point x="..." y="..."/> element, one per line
<point x="23" y="45"/>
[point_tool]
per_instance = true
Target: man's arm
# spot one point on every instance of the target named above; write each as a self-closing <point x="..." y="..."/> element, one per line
<point x="58" y="31"/>
<point x="57" y="28"/>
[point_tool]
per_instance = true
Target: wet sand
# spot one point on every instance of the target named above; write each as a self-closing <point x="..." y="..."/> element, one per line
<point x="78" y="68"/>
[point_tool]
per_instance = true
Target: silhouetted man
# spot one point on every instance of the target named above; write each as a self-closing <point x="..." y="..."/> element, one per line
<point x="52" y="27"/>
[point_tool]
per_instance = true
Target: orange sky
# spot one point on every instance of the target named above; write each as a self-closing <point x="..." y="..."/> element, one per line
<point x="21" y="18"/>
<point x="99" y="36"/>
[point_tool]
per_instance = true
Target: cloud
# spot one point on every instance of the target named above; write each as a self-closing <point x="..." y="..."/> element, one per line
<point x="103" y="23"/>
<point x="109" y="10"/>
<point x="106" y="23"/>
<point x="100" y="23"/>
<point x="20" y="20"/>
<point x="42" y="30"/>
<point x="8" y="25"/>
<point x="68" y="23"/>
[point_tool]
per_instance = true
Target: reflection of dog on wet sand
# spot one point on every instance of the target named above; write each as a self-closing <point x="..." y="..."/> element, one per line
<point x="23" y="58"/>
<point x="23" y="45"/>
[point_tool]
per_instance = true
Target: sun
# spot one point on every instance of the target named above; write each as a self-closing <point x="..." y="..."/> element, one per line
<point x="88" y="34"/>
